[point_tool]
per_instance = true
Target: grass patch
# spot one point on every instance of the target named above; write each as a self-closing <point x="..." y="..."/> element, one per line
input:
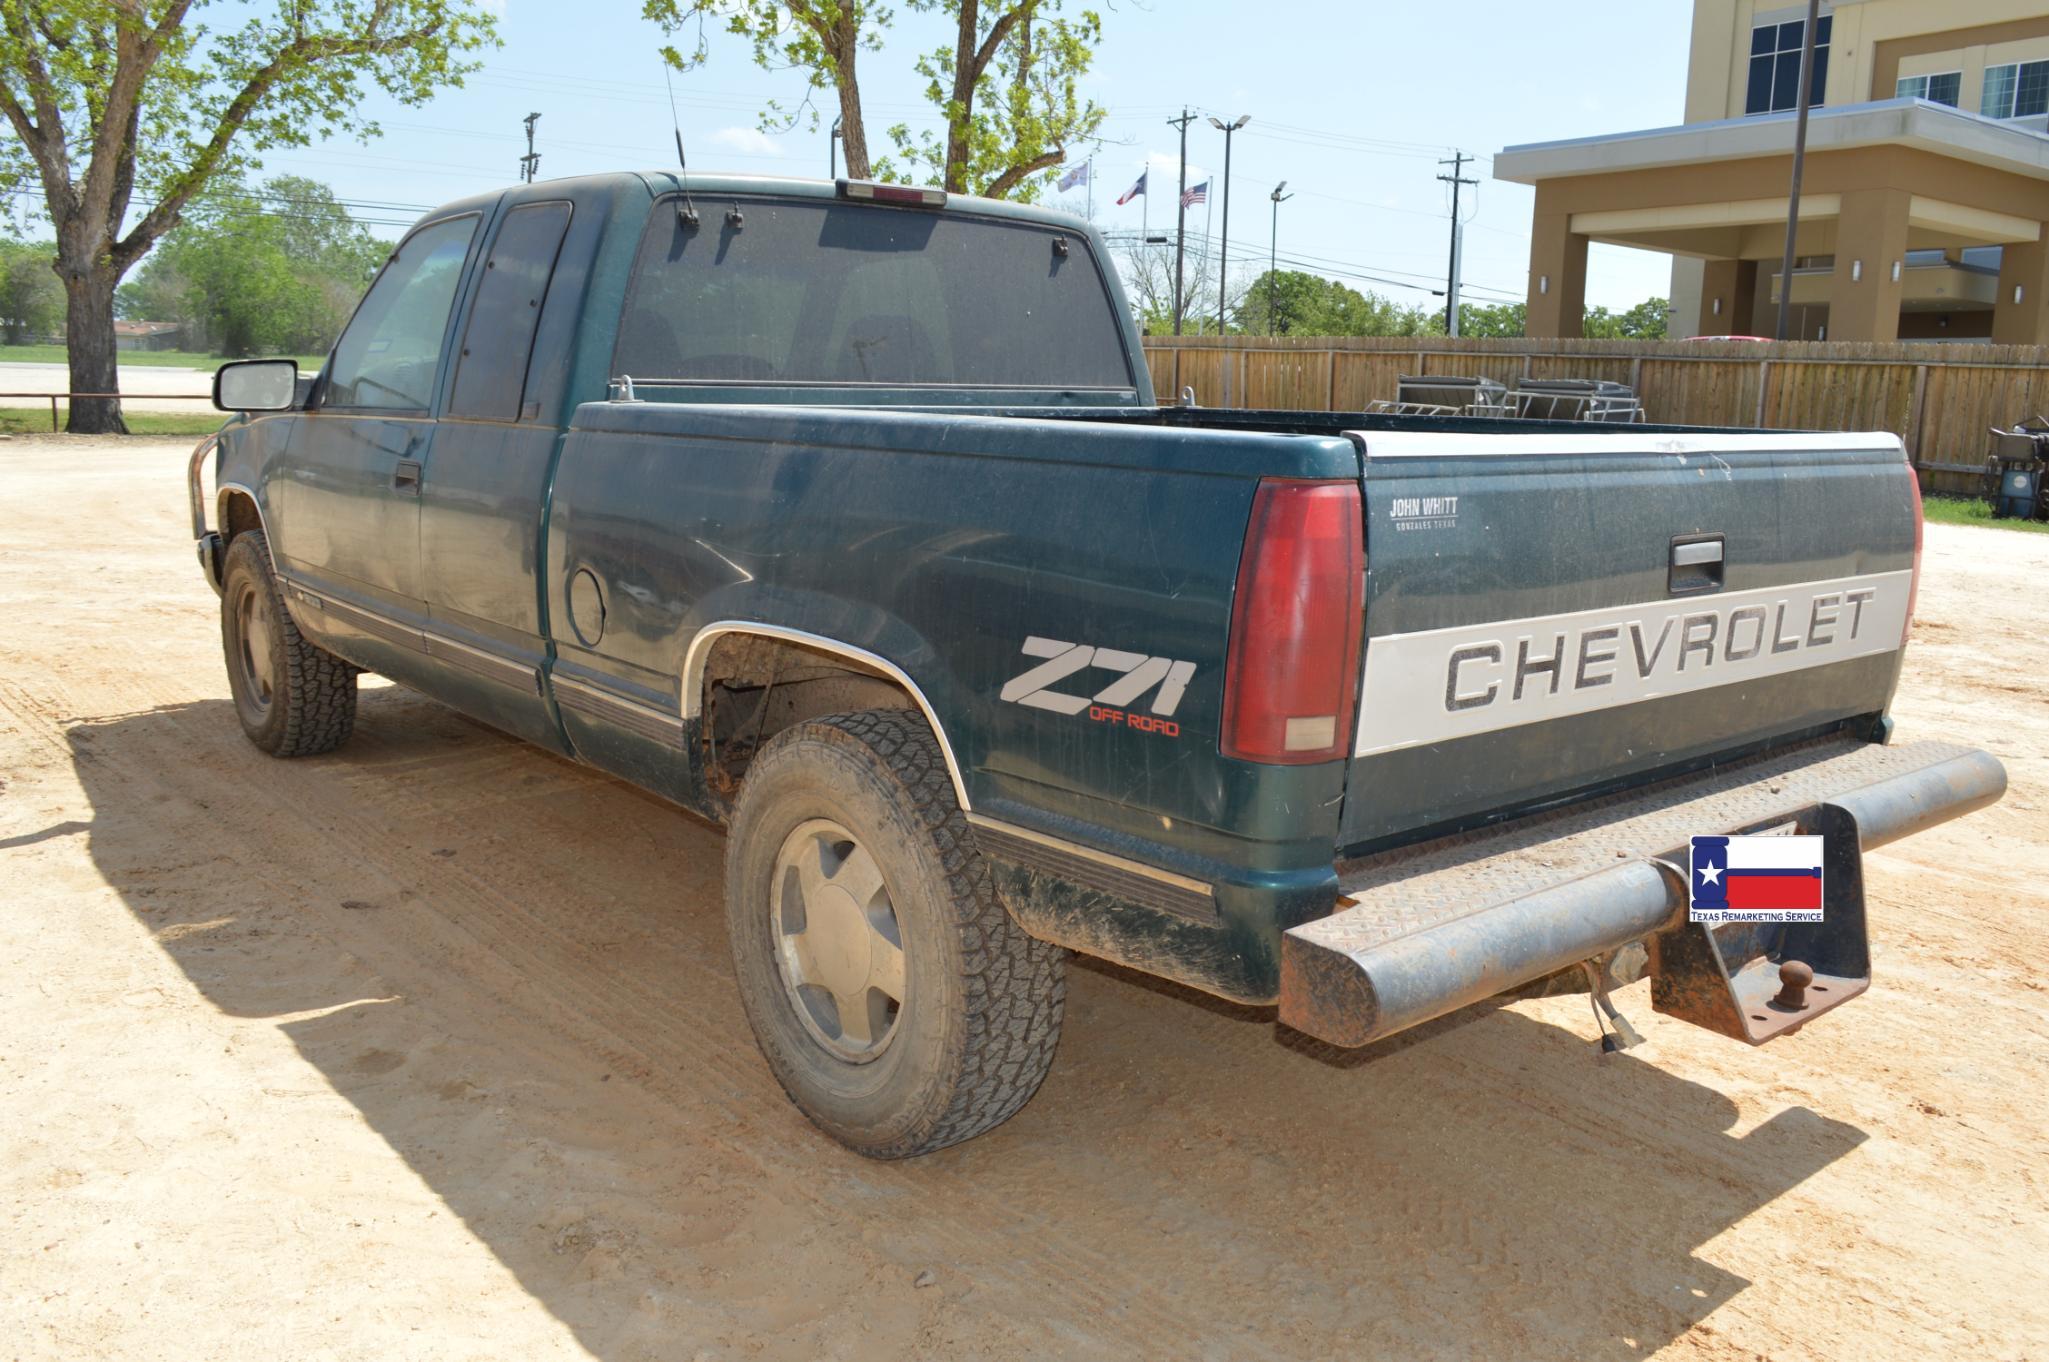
<point x="36" y="421"/>
<point x="168" y="359"/>
<point x="1974" y="511"/>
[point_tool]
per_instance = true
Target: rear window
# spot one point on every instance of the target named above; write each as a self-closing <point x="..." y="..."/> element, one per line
<point x="837" y="293"/>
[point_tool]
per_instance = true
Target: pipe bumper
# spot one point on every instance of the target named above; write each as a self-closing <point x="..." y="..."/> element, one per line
<point x="1405" y="946"/>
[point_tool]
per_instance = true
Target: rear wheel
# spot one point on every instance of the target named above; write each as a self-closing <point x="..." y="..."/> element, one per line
<point x="895" y="1000"/>
<point x="294" y="699"/>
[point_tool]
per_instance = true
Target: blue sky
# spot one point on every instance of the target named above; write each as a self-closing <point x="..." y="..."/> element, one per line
<point x="1351" y="103"/>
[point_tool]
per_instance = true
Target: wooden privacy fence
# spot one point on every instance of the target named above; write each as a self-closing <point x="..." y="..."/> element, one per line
<point x="1940" y="399"/>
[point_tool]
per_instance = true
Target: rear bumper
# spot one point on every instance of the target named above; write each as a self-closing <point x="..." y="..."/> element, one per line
<point x="1426" y="930"/>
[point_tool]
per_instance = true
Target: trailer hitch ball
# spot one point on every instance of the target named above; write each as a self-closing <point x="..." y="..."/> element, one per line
<point x="1794" y="978"/>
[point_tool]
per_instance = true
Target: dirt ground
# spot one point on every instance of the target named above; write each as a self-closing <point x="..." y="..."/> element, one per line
<point x="430" y="1049"/>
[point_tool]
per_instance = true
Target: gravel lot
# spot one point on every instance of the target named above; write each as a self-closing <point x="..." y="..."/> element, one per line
<point x="430" y="1049"/>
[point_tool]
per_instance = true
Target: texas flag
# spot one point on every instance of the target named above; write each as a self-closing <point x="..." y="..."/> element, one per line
<point x="1775" y="876"/>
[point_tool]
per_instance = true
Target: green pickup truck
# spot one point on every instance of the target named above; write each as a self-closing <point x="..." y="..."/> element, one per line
<point x="844" y="515"/>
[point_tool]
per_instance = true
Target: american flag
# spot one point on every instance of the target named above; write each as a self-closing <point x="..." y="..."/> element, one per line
<point x="1199" y="194"/>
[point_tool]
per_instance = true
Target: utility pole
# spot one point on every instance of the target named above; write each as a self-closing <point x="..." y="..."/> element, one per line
<point x="1180" y="212"/>
<point x="1224" y="255"/>
<point x="1457" y="181"/>
<point x="1799" y="163"/>
<point x="1273" y="249"/>
<point x="530" y="162"/>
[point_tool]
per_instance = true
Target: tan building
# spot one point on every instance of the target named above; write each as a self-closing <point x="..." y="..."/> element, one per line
<point x="1924" y="199"/>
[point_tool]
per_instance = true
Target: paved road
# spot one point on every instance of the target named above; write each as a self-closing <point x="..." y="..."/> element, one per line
<point x="143" y="386"/>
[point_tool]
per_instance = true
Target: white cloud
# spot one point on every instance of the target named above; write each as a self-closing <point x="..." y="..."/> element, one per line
<point x="747" y="142"/>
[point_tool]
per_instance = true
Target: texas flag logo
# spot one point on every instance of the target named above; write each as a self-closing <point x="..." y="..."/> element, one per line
<point x="1756" y="879"/>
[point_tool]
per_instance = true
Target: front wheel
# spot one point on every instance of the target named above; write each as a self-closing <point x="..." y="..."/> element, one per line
<point x="294" y="698"/>
<point x="895" y="1000"/>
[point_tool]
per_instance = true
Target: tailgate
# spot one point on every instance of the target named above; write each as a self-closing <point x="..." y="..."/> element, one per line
<point x="1552" y="614"/>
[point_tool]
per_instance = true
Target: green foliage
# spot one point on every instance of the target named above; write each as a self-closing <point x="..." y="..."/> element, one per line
<point x="1295" y="303"/>
<point x="1007" y="83"/>
<point x="187" y="102"/>
<point x="1645" y="321"/>
<point x="1950" y="510"/>
<point x="1501" y="319"/>
<point x="36" y="421"/>
<point x="274" y="271"/>
<point x="111" y="99"/>
<point x="31" y="299"/>
<point x="1023" y="111"/>
<point x="821" y="38"/>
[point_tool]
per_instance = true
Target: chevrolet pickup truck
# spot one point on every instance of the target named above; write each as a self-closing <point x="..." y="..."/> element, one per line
<point x="844" y="515"/>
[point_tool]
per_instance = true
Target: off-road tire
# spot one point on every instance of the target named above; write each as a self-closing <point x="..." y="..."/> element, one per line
<point x="311" y="706"/>
<point x="980" y="1018"/>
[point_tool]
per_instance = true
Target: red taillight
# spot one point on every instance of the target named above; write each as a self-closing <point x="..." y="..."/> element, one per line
<point x="1920" y="525"/>
<point x="1292" y="675"/>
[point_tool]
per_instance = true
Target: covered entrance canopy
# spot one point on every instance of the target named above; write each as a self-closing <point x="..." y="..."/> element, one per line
<point x="1895" y="196"/>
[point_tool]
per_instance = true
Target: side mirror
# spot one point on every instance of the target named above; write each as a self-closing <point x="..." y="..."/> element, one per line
<point x="256" y="385"/>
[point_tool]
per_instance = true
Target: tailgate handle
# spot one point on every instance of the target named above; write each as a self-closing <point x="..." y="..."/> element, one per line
<point x="1696" y="564"/>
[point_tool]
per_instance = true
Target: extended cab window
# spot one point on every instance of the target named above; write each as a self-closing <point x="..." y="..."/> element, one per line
<point x="498" y="342"/>
<point x="390" y="356"/>
<point x="810" y="292"/>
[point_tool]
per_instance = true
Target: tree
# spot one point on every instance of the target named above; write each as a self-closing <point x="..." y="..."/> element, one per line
<point x="1148" y="275"/>
<point x="1501" y="319"/>
<point x="1304" y="304"/>
<point x="1007" y="85"/>
<point x="822" y="38"/>
<point x="1010" y="92"/>
<point x="1645" y="321"/>
<point x="112" y="97"/>
<point x="31" y="299"/>
<point x="274" y="270"/>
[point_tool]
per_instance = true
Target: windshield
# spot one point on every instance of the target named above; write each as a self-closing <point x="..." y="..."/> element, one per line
<point x="835" y="293"/>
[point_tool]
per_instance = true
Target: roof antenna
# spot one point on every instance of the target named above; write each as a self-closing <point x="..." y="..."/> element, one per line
<point x="687" y="214"/>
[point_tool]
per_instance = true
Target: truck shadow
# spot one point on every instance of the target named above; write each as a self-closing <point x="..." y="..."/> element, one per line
<point x="515" y="970"/>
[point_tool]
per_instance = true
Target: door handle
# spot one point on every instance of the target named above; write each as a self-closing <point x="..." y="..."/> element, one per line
<point x="406" y="477"/>
<point x="1697" y="562"/>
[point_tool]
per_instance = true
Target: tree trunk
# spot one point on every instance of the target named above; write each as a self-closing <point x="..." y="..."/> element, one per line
<point x="89" y="342"/>
<point x="853" y="132"/>
<point x="953" y="177"/>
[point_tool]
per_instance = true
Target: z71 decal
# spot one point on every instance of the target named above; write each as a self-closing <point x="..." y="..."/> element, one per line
<point x="1137" y="674"/>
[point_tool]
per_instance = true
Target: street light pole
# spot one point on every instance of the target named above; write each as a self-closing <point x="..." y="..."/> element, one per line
<point x="1273" y="238"/>
<point x="1224" y="254"/>
<point x="1799" y="163"/>
<point x="1181" y="213"/>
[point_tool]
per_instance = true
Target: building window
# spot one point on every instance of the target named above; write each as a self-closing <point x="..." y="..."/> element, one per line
<point x="1940" y="89"/>
<point x="1775" y="65"/>
<point x="2016" y="90"/>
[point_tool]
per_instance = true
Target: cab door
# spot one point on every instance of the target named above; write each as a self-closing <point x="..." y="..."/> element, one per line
<point x="349" y="519"/>
<point x="485" y="488"/>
